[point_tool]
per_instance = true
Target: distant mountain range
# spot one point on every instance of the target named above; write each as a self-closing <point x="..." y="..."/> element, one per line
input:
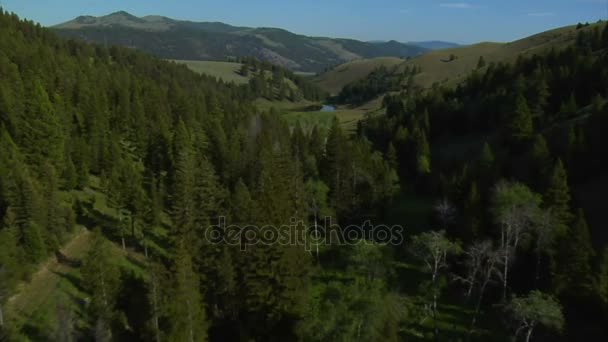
<point x="186" y="40"/>
<point x="427" y="45"/>
<point x="434" y="45"/>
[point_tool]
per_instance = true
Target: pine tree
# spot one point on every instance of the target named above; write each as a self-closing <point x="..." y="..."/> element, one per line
<point x="241" y="204"/>
<point x="520" y="126"/>
<point x="43" y="136"/>
<point x="472" y="208"/>
<point x="334" y="162"/>
<point x="187" y="315"/>
<point x="100" y="278"/>
<point x="557" y="197"/>
<point x="423" y="153"/>
<point x="541" y="161"/>
<point x="485" y="162"/>
<point x="569" y="108"/>
<point x="183" y="204"/>
<point x="481" y="62"/>
<point x="391" y="156"/>
<point x="575" y="273"/>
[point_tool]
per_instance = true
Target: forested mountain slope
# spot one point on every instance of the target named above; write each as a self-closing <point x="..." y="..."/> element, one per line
<point x="174" y="39"/>
<point x="148" y="155"/>
<point x="490" y="239"/>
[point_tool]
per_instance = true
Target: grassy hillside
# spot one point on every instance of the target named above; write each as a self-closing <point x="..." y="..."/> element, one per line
<point x="184" y="40"/>
<point x="334" y="80"/>
<point x="438" y="68"/>
<point x="227" y="71"/>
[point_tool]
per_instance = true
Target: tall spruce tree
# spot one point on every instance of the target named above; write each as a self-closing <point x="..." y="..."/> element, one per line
<point x="520" y="125"/>
<point x="557" y="197"/>
<point x="186" y="317"/>
<point x="575" y="277"/>
<point x="100" y="278"/>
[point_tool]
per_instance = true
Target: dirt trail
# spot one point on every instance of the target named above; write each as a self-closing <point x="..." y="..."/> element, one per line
<point x="31" y="295"/>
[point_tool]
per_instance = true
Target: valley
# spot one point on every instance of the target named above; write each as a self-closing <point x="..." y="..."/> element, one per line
<point x="177" y="180"/>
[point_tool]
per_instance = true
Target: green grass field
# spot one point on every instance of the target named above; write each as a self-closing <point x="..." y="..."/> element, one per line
<point x="294" y="112"/>
<point x="227" y="71"/>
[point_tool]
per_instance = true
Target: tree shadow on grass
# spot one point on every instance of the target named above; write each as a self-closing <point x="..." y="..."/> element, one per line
<point x="74" y="280"/>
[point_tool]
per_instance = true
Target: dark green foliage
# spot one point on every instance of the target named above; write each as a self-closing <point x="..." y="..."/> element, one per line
<point x="176" y="152"/>
<point x="379" y="81"/>
<point x="100" y="278"/>
<point x="481" y="62"/>
<point x="557" y="196"/>
<point x="269" y="82"/>
<point x="186" y="314"/>
<point x="520" y="126"/>
<point x="575" y="277"/>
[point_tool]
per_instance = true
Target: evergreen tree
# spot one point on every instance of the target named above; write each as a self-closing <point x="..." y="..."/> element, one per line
<point x="391" y="156"/>
<point x="520" y="125"/>
<point x="423" y="153"/>
<point x="541" y="161"/>
<point x="481" y="62"/>
<point x="187" y="315"/>
<point x="183" y="204"/>
<point x="486" y="160"/>
<point x="43" y="136"/>
<point x="334" y="163"/>
<point x="241" y="204"/>
<point x="100" y="278"/>
<point x="557" y="197"/>
<point x="569" y="108"/>
<point x="575" y="277"/>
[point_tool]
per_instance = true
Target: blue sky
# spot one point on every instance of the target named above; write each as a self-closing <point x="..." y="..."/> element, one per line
<point x="462" y="21"/>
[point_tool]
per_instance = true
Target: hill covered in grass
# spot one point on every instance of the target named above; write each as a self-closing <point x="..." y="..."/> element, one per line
<point x="451" y="66"/>
<point x="335" y="79"/>
<point x="174" y="39"/>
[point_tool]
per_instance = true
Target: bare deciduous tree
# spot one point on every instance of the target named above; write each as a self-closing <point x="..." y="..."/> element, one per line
<point x="433" y="248"/>
<point x="445" y="212"/>
<point x="482" y="265"/>
<point x="515" y="207"/>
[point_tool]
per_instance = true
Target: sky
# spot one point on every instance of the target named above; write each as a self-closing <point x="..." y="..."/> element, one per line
<point x="460" y="21"/>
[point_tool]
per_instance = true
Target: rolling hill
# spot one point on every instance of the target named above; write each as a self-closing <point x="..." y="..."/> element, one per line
<point x="435" y="44"/>
<point x="334" y="80"/>
<point x="437" y="66"/>
<point x="184" y="40"/>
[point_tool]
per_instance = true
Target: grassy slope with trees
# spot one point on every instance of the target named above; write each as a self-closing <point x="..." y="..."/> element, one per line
<point x="336" y="78"/>
<point x="361" y="85"/>
<point x="506" y="152"/>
